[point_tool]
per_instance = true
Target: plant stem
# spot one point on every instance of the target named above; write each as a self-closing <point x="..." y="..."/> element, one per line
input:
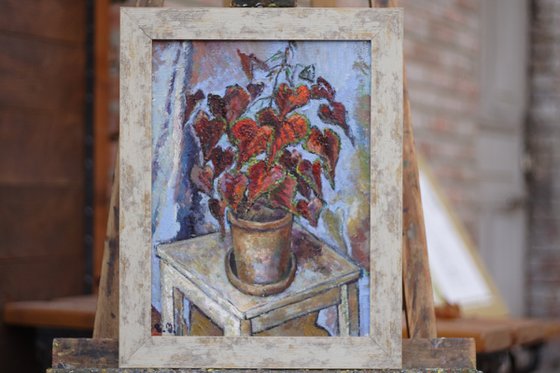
<point x="282" y="67"/>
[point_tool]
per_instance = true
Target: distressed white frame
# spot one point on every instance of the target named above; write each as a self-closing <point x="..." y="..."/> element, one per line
<point x="383" y="28"/>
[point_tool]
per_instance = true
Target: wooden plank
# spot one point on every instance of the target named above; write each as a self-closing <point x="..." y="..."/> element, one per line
<point x="42" y="221"/>
<point x="42" y="96"/>
<point x="417" y="282"/>
<point x="57" y="20"/>
<point x="107" y="316"/>
<point x="66" y="313"/>
<point x="488" y="338"/>
<point x="150" y="370"/>
<point x="149" y="3"/>
<point x="552" y="328"/>
<point x="33" y="277"/>
<point x="263" y="3"/>
<point x="101" y="140"/>
<point x="71" y="353"/>
<point x="523" y="331"/>
<point x="417" y="354"/>
<point x="35" y="75"/>
<point x="40" y="147"/>
<point x="439" y="353"/>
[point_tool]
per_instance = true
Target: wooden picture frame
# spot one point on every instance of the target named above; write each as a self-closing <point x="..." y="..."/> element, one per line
<point x="384" y="30"/>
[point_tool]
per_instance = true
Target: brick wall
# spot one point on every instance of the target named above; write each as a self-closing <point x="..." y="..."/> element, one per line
<point x="442" y="56"/>
<point x="543" y="261"/>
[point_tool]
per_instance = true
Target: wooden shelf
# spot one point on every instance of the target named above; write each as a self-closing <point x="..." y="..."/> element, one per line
<point x="66" y="313"/>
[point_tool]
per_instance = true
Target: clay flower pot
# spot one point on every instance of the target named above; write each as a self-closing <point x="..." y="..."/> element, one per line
<point x="262" y="252"/>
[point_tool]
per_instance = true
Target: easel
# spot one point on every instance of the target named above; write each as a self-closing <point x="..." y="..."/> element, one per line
<point x="423" y="350"/>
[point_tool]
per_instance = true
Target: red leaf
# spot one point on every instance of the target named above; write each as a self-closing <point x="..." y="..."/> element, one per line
<point x="310" y="210"/>
<point x="236" y="101"/>
<point x="252" y="139"/>
<point x="290" y="160"/>
<point x="303" y="188"/>
<point x="250" y="61"/>
<point x="308" y="172"/>
<point x="255" y="90"/>
<point x="202" y="178"/>
<point x="233" y="189"/>
<point x="217" y="106"/>
<point x="283" y="195"/>
<point x="259" y="64"/>
<point x="217" y="209"/>
<point x="262" y="180"/>
<point x="246" y="64"/>
<point x="221" y="159"/>
<point x="292" y="130"/>
<point x="191" y="102"/>
<point x="335" y="114"/>
<point x="316" y="171"/>
<point x="268" y="117"/>
<point x="328" y="147"/>
<point x="322" y="90"/>
<point x="287" y="99"/>
<point x="209" y="132"/>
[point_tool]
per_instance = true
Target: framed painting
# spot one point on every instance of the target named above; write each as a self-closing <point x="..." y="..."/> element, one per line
<point x="261" y="188"/>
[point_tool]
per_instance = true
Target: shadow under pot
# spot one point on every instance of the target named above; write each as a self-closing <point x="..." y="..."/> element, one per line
<point x="261" y="262"/>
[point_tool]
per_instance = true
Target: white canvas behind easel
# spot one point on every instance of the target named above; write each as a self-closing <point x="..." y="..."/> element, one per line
<point x="458" y="274"/>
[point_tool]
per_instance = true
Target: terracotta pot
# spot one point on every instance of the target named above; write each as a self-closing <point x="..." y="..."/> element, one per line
<point x="262" y="251"/>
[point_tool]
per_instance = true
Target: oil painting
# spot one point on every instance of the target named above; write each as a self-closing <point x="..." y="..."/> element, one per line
<point x="260" y="185"/>
<point x="260" y="191"/>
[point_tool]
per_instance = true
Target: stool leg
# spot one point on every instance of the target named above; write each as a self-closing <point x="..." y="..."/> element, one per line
<point x="354" y="309"/>
<point x="343" y="313"/>
<point x="178" y="305"/>
<point x="238" y="328"/>
<point x="167" y="320"/>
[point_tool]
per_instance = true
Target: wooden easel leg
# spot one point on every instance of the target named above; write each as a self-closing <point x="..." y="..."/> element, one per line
<point x="417" y="283"/>
<point x="107" y="314"/>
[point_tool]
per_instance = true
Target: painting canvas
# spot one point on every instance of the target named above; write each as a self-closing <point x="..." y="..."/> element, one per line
<point x="275" y="133"/>
<point x="260" y="221"/>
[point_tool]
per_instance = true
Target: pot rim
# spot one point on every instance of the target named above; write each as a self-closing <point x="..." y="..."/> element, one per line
<point x="260" y="226"/>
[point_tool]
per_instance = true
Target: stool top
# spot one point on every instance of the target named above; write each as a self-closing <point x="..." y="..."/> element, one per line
<point x="201" y="260"/>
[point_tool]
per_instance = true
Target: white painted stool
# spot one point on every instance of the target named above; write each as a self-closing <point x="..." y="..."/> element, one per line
<point x="195" y="269"/>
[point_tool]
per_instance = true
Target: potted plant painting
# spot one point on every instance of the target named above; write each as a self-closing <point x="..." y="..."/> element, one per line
<point x="263" y="161"/>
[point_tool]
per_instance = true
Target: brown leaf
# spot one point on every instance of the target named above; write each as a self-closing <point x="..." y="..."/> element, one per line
<point x="310" y="210"/>
<point x="221" y="159"/>
<point x="202" y="178"/>
<point x="209" y="132"/>
<point x="252" y="139"/>
<point x="191" y="102"/>
<point x="283" y="195"/>
<point x="289" y="99"/>
<point x="262" y="180"/>
<point x="292" y="131"/>
<point x="217" y="209"/>
<point x="233" y="188"/>
<point x="327" y="146"/>
<point x="335" y="113"/>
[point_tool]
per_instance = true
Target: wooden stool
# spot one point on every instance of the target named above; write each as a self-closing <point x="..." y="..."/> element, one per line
<point x="196" y="269"/>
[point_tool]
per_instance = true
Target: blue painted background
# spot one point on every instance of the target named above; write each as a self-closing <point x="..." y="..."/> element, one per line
<point x="180" y="212"/>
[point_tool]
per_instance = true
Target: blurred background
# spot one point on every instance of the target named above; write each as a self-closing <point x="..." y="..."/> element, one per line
<point x="484" y="81"/>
